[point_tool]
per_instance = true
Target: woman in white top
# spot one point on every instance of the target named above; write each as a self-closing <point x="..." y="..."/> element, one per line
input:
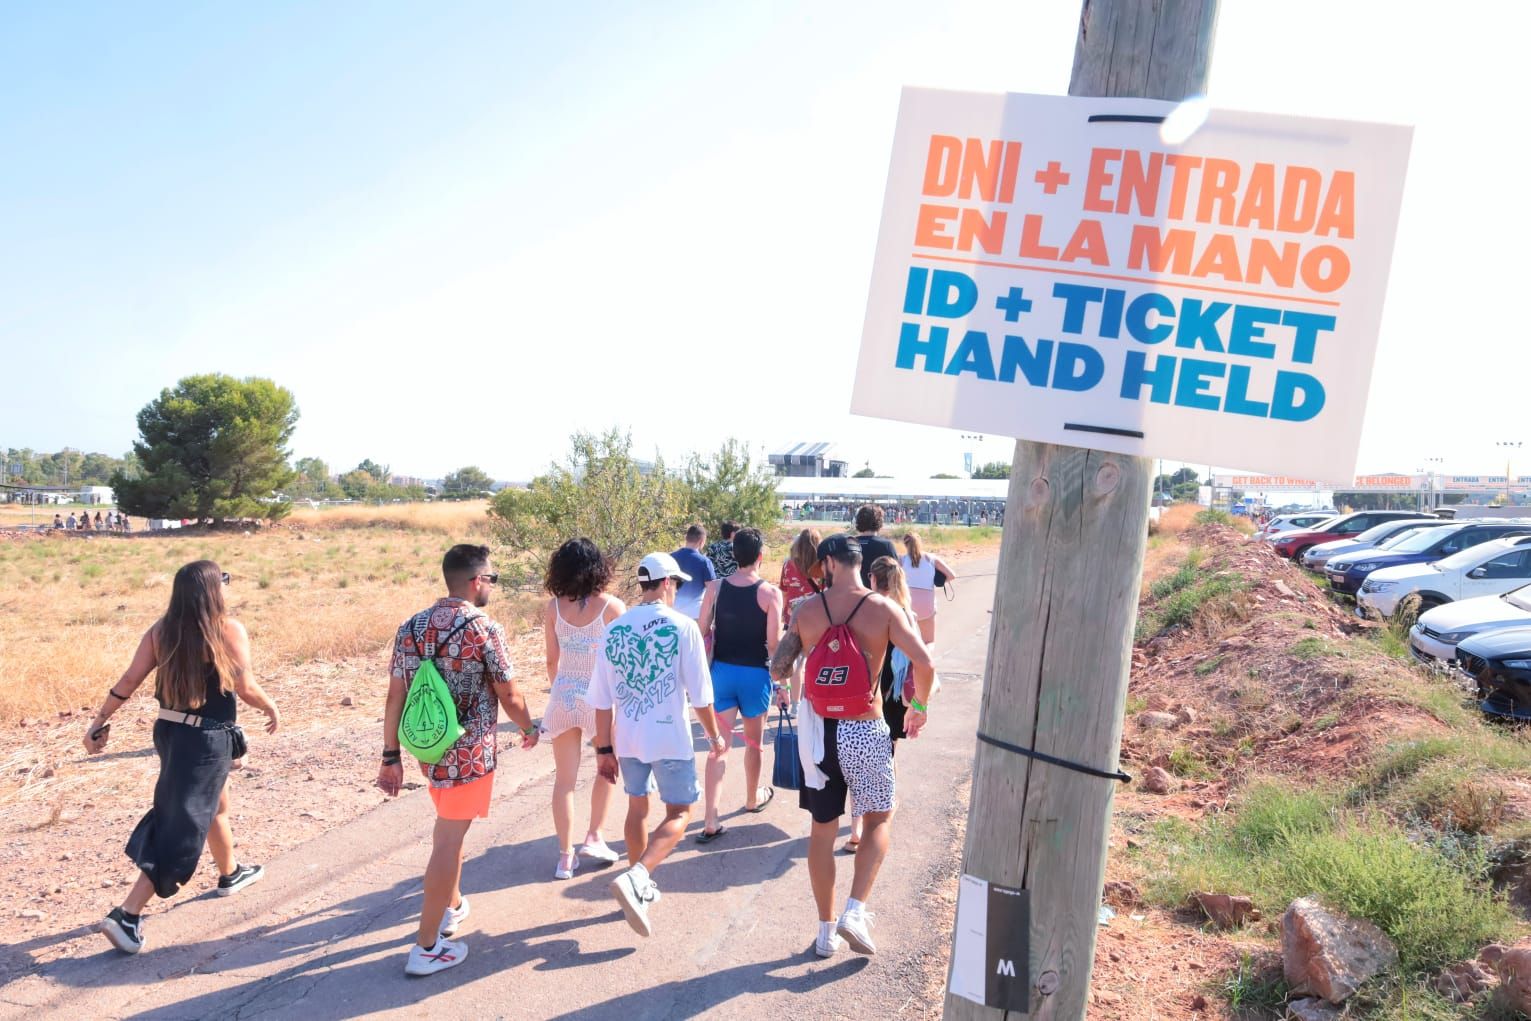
<point x="573" y="625"/>
<point x="920" y="572"/>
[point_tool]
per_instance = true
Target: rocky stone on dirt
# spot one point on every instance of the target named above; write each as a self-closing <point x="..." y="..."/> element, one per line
<point x="1198" y="1002"/>
<point x="1226" y="911"/>
<point x="1513" y="966"/>
<point x="348" y="700"/>
<point x="1464" y="981"/>
<point x="33" y="914"/>
<point x="1186" y="715"/>
<point x="1310" y="1009"/>
<point x="1330" y="955"/>
<point x="1285" y="589"/>
<point x="1155" y="720"/>
<point x="1121" y="894"/>
<point x="1158" y="780"/>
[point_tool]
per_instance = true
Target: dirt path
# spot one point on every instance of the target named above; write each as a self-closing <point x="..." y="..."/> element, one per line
<point x="326" y="932"/>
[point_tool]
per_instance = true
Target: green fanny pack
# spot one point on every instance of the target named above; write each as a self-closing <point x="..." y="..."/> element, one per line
<point x="429" y="725"/>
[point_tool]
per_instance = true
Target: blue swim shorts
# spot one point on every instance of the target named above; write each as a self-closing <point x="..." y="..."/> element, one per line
<point x="747" y="688"/>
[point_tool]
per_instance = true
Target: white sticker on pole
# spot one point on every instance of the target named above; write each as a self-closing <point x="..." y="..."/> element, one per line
<point x="1070" y="270"/>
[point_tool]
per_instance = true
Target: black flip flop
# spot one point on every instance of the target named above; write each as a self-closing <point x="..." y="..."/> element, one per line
<point x="770" y="793"/>
<point x="706" y="838"/>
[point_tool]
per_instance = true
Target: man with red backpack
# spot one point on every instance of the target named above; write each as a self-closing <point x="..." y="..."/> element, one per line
<point x="844" y="742"/>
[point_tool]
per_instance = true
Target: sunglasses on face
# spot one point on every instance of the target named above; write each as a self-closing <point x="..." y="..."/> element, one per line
<point x="225" y="577"/>
<point x="493" y="579"/>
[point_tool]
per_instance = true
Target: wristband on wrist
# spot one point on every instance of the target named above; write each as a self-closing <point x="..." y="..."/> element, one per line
<point x="392" y="757"/>
<point x="112" y="692"/>
<point x="528" y="731"/>
<point x="604" y="749"/>
<point x="916" y="706"/>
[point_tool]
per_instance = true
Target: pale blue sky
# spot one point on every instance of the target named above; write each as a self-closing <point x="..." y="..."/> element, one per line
<point x="459" y="231"/>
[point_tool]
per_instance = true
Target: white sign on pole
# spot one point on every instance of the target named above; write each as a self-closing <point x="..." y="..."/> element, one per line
<point x="1067" y="270"/>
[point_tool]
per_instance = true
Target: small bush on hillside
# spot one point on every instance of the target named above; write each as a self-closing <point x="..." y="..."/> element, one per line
<point x="1282" y="843"/>
<point x="1213" y="516"/>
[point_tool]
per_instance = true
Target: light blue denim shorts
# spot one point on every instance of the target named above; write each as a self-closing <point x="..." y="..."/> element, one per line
<point x="674" y="779"/>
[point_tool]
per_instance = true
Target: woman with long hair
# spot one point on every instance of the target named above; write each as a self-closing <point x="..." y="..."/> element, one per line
<point x="801" y="576"/>
<point x="920" y="570"/>
<point x="573" y="626"/>
<point x="200" y="658"/>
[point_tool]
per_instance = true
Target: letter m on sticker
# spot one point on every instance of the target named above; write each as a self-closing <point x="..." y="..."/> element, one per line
<point x="1006" y="968"/>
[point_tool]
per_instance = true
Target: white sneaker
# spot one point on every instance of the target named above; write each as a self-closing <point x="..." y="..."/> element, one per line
<point x="635" y="898"/>
<point x="856" y="927"/>
<point x="452" y="918"/>
<point x="599" y="852"/>
<point x="829" y="947"/>
<point x="445" y="954"/>
<point x="567" y="866"/>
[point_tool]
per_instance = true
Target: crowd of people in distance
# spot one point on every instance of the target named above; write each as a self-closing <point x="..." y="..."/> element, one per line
<point x="841" y="639"/>
<point x="113" y="521"/>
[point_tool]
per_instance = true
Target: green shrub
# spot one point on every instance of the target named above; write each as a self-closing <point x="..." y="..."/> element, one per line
<point x="1282" y="843"/>
<point x="1213" y="516"/>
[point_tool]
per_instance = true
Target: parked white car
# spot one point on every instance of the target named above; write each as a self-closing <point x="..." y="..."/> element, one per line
<point x="1291" y="523"/>
<point x="1438" y="632"/>
<point x="1487" y="569"/>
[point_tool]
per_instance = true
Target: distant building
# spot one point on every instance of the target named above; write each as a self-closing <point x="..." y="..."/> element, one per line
<point x="405" y="481"/>
<point x="809" y="460"/>
<point x="96" y="494"/>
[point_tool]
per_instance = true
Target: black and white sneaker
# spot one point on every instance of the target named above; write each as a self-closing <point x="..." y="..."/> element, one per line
<point x="241" y="877"/>
<point x="124" y="935"/>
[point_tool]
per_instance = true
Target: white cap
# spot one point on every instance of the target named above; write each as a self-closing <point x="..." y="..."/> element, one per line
<point x="658" y="567"/>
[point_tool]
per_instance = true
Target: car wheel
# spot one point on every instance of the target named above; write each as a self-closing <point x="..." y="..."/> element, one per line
<point x="1299" y="553"/>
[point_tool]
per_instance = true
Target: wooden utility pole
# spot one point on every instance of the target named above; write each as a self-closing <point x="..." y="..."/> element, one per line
<point x="1060" y="645"/>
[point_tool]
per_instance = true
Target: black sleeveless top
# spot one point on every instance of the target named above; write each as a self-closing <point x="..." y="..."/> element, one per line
<point x="740" y="637"/>
<point x="218" y="706"/>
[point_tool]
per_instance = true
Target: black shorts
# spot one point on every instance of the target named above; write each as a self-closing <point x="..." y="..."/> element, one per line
<point x="858" y="759"/>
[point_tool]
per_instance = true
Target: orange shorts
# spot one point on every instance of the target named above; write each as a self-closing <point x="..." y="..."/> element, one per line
<point x="464" y="801"/>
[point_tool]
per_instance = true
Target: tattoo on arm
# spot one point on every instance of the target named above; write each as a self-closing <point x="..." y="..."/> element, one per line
<point x="787" y="651"/>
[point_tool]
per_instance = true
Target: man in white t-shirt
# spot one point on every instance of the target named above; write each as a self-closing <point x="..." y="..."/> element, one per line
<point x="651" y="664"/>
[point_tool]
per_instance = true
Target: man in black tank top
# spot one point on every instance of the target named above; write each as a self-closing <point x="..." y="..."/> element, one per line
<point x="746" y="625"/>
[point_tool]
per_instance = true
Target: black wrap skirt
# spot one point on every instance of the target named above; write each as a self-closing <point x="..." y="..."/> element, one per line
<point x="193" y="767"/>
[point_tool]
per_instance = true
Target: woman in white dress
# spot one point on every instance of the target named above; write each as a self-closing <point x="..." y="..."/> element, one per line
<point x="920" y="573"/>
<point x="573" y="624"/>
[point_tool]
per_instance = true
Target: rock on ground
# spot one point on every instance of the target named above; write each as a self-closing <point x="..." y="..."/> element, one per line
<point x="1330" y="955"/>
<point x="1158" y="780"/>
<point x="1513" y="966"/>
<point x="1225" y="911"/>
<point x="1309" y="1009"/>
<point x="1155" y="720"/>
<point x="1464" y="981"/>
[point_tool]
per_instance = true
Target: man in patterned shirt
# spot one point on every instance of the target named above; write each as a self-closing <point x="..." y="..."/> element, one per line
<point x="471" y="653"/>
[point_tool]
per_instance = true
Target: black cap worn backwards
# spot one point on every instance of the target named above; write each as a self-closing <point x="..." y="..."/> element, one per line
<point x="839" y="546"/>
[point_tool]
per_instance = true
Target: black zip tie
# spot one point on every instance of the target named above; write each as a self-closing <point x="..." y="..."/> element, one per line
<point x="1032" y="753"/>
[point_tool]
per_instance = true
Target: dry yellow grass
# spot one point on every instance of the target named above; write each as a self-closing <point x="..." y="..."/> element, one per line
<point x="74" y="608"/>
<point x="324" y="585"/>
<point x="450" y="519"/>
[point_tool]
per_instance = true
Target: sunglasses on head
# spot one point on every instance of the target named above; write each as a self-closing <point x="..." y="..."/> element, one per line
<point x="225" y="577"/>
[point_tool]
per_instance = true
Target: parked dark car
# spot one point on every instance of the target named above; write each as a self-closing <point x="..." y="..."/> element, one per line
<point x="1347" y="572"/>
<point x="1500" y="663"/>
<point x="1295" y="544"/>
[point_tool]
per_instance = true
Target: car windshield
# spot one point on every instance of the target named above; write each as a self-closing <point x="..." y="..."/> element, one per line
<point x="1520" y="598"/>
<point x="1472" y="556"/>
<point x="1377" y="533"/>
<point x="1422" y="540"/>
<point x="1392" y="541"/>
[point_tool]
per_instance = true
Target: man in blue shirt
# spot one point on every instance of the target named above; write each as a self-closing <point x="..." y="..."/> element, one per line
<point x="692" y="561"/>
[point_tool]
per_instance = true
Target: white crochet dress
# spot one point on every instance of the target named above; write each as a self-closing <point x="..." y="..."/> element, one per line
<point x="577" y="649"/>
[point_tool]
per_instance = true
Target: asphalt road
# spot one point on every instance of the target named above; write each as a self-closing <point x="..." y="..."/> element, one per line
<point x="326" y="934"/>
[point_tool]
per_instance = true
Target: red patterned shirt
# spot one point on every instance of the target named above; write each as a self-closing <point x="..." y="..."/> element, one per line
<point x="475" y="658"/>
